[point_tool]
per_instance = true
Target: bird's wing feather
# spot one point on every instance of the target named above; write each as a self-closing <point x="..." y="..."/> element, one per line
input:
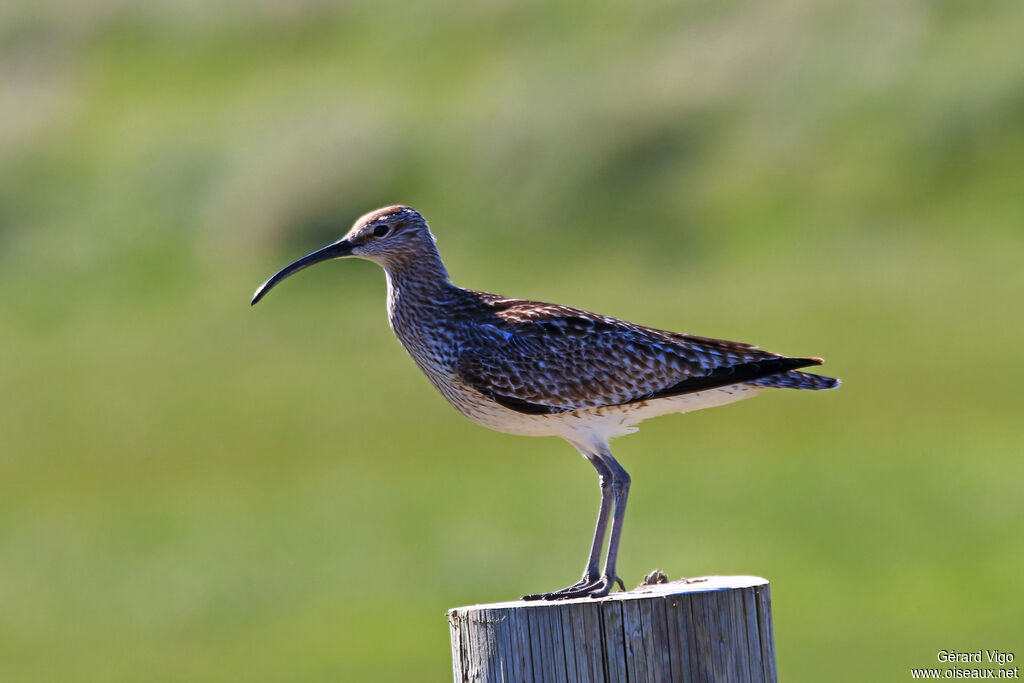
<point x="545" y="358"/>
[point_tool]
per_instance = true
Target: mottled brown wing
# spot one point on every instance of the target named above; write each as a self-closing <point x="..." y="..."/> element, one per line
<point x="545" y="358"/>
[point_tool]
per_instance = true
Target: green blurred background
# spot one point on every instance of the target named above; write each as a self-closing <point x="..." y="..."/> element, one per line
<point x="194" y="490"/>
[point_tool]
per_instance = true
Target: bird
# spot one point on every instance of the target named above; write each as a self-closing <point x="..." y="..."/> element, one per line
<point x="539" y="369"/>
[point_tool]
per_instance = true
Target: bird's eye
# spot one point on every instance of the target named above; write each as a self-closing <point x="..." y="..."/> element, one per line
<point x="380" y="231"/>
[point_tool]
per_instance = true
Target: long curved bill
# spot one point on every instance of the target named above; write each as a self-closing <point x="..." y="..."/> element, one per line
<point x="331" y="251"/>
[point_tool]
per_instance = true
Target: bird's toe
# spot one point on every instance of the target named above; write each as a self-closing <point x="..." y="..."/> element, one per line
<point x="586" y="587"/>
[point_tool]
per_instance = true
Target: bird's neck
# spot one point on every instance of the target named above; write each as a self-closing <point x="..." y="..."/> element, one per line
<point x="416" y="287"/>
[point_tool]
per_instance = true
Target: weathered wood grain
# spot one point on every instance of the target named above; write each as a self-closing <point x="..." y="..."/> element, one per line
<point x="713" y="629"/>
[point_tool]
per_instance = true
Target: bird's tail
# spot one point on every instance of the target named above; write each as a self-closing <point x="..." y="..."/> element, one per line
<point x="794" y="379"/>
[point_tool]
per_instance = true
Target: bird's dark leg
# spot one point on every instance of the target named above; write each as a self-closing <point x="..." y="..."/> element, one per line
<point x="620" y="489"/>
<point x="620" y="492"/>
<point x="614" y="492"/>
<point x="601" y="528"/>
<point x="591" y="574"/>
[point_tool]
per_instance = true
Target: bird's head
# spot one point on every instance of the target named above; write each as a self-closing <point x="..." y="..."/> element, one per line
<point x="391" y="237"/>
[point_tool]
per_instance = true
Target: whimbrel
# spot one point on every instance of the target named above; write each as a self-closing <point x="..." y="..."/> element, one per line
<point x="537" y="369"/>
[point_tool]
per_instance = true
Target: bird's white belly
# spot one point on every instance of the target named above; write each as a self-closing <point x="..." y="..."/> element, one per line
<point x="591" y="425"/>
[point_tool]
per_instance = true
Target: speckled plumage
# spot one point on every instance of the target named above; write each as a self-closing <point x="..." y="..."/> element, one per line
<point x="540" y="369"/>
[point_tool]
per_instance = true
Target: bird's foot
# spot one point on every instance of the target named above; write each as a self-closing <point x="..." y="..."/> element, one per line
<point x="595" y="587"/>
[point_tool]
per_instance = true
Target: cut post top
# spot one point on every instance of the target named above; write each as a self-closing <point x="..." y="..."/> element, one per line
<point x="700" y="584"/>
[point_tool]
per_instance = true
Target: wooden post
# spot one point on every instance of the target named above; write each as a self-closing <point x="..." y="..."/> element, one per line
<point x="716" y="628"/>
